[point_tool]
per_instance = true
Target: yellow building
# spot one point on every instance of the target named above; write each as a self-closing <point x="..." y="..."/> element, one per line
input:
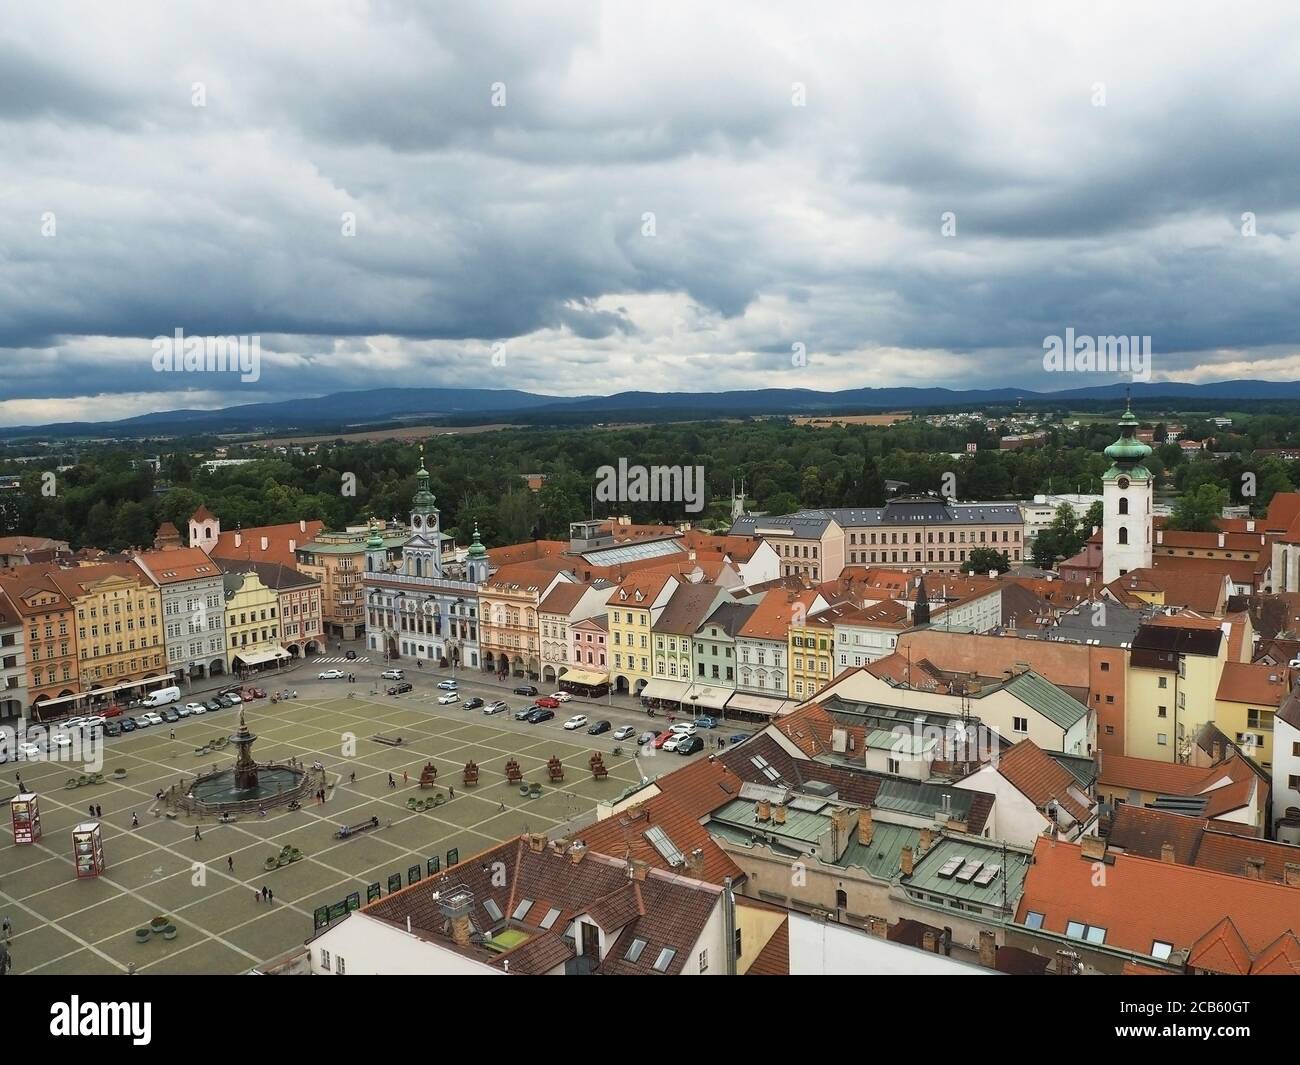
<point x="632" y="610"/>
<point x="1248" y="696"/>
<point x="812" y="653"/>
<point x="1175" y="665"/>
<point x="119" y="624"/>
<point x="252" y="622"/>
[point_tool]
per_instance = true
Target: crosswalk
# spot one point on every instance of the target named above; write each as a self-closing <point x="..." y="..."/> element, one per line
<point x="341" y="658"/>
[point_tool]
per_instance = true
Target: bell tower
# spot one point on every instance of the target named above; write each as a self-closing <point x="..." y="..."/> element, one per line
<point x="422" y="555"/>
<point x="1126" y="503"/>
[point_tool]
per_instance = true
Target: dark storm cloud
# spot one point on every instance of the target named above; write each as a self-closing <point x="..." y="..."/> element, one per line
<point x="692" y="191"/>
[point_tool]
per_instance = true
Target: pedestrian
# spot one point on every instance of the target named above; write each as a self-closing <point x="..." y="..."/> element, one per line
<point x="230" y="862"/>
<point x="263" y="892"/>
<point x="404" y="777"/>
<point x="7" y="928"/>
<point x="196" y="833"/>
<point x="91" y="808"/>
<point x="354" y="777"/>
<point x="451" y="788"/>
<point x="135" y="821"/>
<point x="270" y="895"/>
<point x="257" y="895"/>
<point x="21" y="789"/>
<point x="502" y="808"/>
<point x="173" y="734"/>
<point x="391" y="782"/>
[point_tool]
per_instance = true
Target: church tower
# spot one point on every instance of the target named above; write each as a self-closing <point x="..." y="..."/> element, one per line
<point x="205" y="529"/>
<point x="422" y="553"/>
<point x="476" y="561"/>
<point x="1126" y="503"/>
<point x="376" y="555"/>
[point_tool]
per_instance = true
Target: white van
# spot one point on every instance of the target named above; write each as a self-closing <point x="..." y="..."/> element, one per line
<point x="162" y="696"/>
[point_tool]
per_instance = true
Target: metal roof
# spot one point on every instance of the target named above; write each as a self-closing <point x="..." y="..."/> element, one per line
<point x="632" y="552"/>
<point x="921" y="799"/>
<point x="1047" y="699"/>
<point x="1003" y="889"/>
<point x="880" y="857"/>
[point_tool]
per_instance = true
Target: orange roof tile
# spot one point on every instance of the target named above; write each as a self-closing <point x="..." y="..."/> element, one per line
<point x="774" y="958"/>
<point x="1254" y="683"/>
<point x="771" y="619"/>
<point x="1041" y="778"/>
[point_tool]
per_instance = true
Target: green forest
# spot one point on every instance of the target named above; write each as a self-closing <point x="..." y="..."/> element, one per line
<point x="107" y="500"/>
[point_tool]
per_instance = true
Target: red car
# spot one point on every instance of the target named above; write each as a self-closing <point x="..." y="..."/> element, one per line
<point x="253" y="693"/>
<point x="112" y="711"/>
<point x="548" y="702"/>
<point x="663" y="738"/>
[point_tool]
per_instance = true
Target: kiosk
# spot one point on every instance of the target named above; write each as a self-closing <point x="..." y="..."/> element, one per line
<point x="88" y="849"/>
<point x="26" y="817"/>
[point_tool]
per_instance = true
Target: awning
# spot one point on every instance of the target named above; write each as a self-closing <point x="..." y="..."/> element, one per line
<point x="672" y="691"/>
<point x="160" y="680"/>
<point x="707" y="697"/>
<point x="759" y="704"/>
<point x="259" y="657"/>
<point x="585" y="677"/>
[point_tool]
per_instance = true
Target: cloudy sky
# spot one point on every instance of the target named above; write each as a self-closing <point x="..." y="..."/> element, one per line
<point x="671" y="196"/>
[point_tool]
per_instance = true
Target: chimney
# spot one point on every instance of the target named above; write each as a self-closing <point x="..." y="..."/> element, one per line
<point x="537" y="842"/>
<point x="1092" y="848"/>
<point x="637" y="869"/>
<point x="264" y="543"/>
<point x="1221" y="538"/>
<point x="988" y="949"/>
<point x="762" y="811"/>
<point x="905" y="860"/>
<point x="695" y="862"/>
<point x="1160" y="536"/>
<point x="1167" y="853"/>
<point x="1066" y="960"/>
<point x="877" y="926"/>
<point x="928" y="942"/>
<point x="302" y="524"/>
<point x="1250" y="525"/>
<point x="866" y="827"/>
<point x="577" y="852"/>
<point x="1291" y="874"/>
<point x="239" y="537"/>
<point x="778" y="815"/>
<point x="1254" y="868"/>
<point x="293" y="546"/>
<point x="456" y="909"/>
<point x="927" y="839"/>
<point x="956" y="824"/>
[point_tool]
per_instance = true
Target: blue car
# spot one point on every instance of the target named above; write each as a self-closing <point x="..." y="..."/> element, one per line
<point x="739" y="737"/>
<point x="706" y="722"/>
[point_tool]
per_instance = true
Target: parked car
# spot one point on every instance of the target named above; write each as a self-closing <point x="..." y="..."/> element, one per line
<point x="686" y="728"/>
<point x="522" y="714"/>
<point x="113" y="711"/>
<point x="447" y="685"/>
<point x="170" y="716"/>
<point x="497" y="707"/>
<point x="738" y="737"/>
<point x="663" y="738"/>
<point x="576" y="721"/>
<point x="393" y="674"/>
<point x="195" y="708"/>
<point x="29" y="752"/>
<point x="624" y="733"/>
<point x="72" y="723"/>
<point x="234" y="697"/>
<point x="256" y="693"/>
<point x="646" y="737"/>
<point x="127" y="724"/>
<point x="351" y="656"/>
<point x="401" y="689"/>
<point x="675" y="740"/>
<point x="95" y="721"/>
<point x="549" y="702"/>
<point x="561" y="697"/>
<point x="225" y="701"/>
<point x="143" y="721"/>
<point x="184" y="711"/>
<point x="113" y="728"/>
<point x="706" y="722"/>
<point x="598" y="728"/>
<point x="690" y="744"/>
<point x="450" y="697"/>
<point x="526" y="689"/>
<point x="154" y="717"/>
<point x="539" y="715"/>
<point x="61" y="739"/>
<point x="331" y="674"/>
<point x="211" y="706"/>
<point x="472" y="704"/>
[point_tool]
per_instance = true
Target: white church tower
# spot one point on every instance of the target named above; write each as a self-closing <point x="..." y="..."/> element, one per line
<point x="1126" y="502"/>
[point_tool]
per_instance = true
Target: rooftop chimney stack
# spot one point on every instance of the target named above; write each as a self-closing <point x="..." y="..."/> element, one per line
<point x="878" y="927"/>
<point x="1254" y="868"/>
<point x="905" y="860"/>
<point x="988" y="949"/>
<point x="1167" y="853"/>
<point x="866" y="827"/>
<point x="1291" y="874"/>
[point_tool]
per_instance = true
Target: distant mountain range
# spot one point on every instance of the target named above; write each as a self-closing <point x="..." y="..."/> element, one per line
<point x="384" y="407"/>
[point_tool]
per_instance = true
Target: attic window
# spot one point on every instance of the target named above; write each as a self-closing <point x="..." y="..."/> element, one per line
<point x="493" y="910"/>
<point x="521" y="909"/>
<point x="1161" y="951"/>
<point x="634" y="951"/>
<point x="550" y="917"/>
<point x="1033" y="919"/>
<point x="665" y="959"/>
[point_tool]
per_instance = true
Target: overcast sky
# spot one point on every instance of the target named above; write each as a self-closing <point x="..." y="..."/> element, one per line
<point x="795" y="162"/>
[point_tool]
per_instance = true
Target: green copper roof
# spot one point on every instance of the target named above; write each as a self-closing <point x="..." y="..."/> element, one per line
<point x="1047" y="699"/>
<point x="376" y="538"/>
<point x="476" y="549"/>
<point x="1128" y="449"/>
<point x="424" y="500"/>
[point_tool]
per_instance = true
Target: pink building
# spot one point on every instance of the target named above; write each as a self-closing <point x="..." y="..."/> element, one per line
<point x="589" y="643"/>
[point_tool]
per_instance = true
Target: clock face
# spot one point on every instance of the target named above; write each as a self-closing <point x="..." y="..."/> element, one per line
<point x="1123" y="482"/>
<point x="415" y="521"/>
<point x="433" y="521"/>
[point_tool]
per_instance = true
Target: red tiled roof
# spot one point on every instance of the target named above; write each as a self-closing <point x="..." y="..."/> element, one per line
<point x="1138" y="830"/>
<point x="774" y="958"/>
<point x="278" y="539"/>
<point x="1254" y="683"/>
<point x="1041" y="778"/>
<point x="1230" y="853"/>
<point x="771" y="619"/>
<point x="1145" y="901"/>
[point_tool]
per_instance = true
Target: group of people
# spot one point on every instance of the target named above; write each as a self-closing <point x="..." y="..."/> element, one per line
<point x="264" y="895"/>
<point x="96" y="811"/>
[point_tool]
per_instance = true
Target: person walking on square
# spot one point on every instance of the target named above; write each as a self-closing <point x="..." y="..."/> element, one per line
<point x="230" y="862"/>
<point x="197" y="836"/>
<point x="7" y="928"/>
<point x="404" y="777"/>
<point x="270" y="895"/>
<point x="263" y="892"/>
<point x="135" y="821"/>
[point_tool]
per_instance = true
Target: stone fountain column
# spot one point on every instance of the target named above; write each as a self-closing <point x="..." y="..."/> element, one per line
<point x="245" y="767"/>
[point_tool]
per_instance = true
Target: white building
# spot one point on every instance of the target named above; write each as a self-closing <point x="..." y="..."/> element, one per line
<point x="1126" y="496"/>
<point x="191" y="586"/>
<point x="13" y="664"/>
<point x="1040" y="513"/>
<point x="828" y="948"/>
<point x="1286" y="771"/>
